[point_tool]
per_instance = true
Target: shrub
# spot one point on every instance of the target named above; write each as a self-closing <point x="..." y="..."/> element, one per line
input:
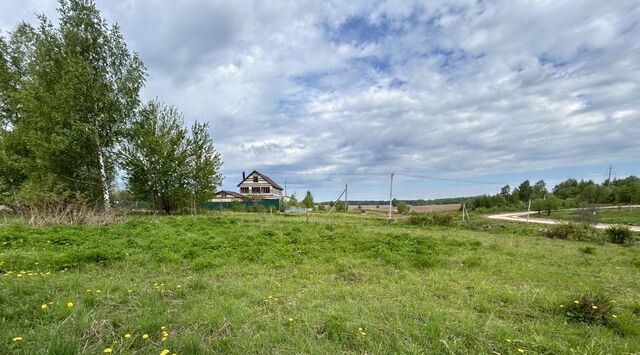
<point x="619" y="235"/>
<point x="421" y="219"/>
<point x="403" y="208"/>
<point x="574" y="231"/>
<point x="589" y="308"/>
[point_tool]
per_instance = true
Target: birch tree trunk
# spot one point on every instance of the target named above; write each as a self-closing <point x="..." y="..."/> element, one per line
<point x="104" y="181"/>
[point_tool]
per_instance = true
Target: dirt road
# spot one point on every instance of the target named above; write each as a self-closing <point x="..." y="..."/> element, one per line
<point x="522" y="217"/>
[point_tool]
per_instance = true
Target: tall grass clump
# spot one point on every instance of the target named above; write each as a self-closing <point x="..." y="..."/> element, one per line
<point x="619" y="235"/>
<point x="435" y="219"/>
<point x="590" y="308"/>
<point x="574" y="231"/>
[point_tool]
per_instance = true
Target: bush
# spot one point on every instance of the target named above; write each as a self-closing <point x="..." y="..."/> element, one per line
<point x="619" y="235"/>
<point x="437" y="219"/>
<point x="574" y="231"/>
<point x="403" y="208"/>
<point x="589" y="308"/>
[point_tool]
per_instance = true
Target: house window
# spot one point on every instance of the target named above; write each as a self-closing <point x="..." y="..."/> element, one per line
<point x="266" y="190"/>
<point x="255" y="190"/>
<point x="244" y="190"/>
<point x="255" y="179"/>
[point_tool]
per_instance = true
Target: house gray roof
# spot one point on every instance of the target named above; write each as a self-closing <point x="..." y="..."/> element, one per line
<point x="231" y="193"/>
<point x="273" y="183"/>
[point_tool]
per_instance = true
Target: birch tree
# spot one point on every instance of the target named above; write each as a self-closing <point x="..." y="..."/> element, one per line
<point x="79" y="92"/>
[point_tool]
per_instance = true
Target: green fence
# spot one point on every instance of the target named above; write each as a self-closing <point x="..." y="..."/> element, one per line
<point x="273" y="204"/>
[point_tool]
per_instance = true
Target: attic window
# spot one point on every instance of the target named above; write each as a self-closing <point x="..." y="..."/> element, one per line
<point x="266" y="190"/>
<point x="255" y="179"/>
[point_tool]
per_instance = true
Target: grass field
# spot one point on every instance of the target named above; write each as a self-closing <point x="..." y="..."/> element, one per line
<point x="629" y="216"/>
<point x="252" y="283"/>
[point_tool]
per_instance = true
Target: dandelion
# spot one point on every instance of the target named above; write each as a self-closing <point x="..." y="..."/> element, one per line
<point x="129" y="291"/>
<point x="520" y="350"/>
<point x="179" y="286"/>
<point x="70" y="305"/>
<point x="561" y="306"/>
<point x="363" y="333"/>
<point x="145" y="336"/>
<point x="17" y="339"/>
<point x="107" y="350"/>
<point x="508" y="340"/>
<point x="127" y="336"/>
<point x="164" y="338"/>
<point x="290" y="319"/>
<point x="163" y="328"/>
<point x="44" y="306"/>
<point x="614" y="316"/>
<point x="165" y="352"/>
<point x="576" y="302"/>
<point x="88" y="290"/>
<point x="360" y="329"/>
<point x="594" y="306"/>
<point x="98" y="291"/>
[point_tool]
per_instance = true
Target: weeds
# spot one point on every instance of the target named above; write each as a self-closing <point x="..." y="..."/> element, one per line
<point x="619" y="235"/>
<point x="574" y="231"/>
<point x="590" y="308"/>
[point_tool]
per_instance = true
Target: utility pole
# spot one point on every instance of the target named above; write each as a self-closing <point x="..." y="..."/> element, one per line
<point x="528" y="210"/>
<point x="285" y="186"/>
<point x="346" y="199"/>
<point x="609" y="180"/>
<point x="390" y="194"/>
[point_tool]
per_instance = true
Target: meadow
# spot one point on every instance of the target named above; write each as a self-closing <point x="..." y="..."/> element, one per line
<point x="628" y="216"/>
<point x="257" y="283"/>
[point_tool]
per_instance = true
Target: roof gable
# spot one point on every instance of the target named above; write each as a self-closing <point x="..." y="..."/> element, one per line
<point x="268" y="179"/>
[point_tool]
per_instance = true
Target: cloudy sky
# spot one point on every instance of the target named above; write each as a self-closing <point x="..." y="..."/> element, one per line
<point x="324" y="93"/>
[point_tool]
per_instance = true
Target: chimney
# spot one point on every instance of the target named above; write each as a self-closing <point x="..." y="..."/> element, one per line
<point x="243" y="177"/>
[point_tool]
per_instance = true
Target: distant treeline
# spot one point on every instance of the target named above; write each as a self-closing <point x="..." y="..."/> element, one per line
<point x="569" y="193"/>
<point x="418" y="202"/>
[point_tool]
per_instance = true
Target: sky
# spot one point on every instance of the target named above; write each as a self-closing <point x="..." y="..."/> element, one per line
<point x="477" y="94"/>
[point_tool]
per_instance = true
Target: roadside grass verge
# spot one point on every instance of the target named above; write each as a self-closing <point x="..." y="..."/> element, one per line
<point x="251" y="283"/>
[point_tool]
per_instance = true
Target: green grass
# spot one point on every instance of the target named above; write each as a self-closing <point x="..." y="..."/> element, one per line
<point x="243" y="276"/>
<point x="628" y="216"/>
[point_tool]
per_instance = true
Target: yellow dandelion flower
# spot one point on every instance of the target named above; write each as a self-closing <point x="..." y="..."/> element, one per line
<point x="614" y="316"/>
<point x="88" y="290"/>
<point x="275" y="299"/>
<point x="17" y="339"/>
<point x="127" y="336"/>
<point x="98" y="291"/>
<point x="165" y="334"/>
<point x="44" y="306"/>
<point x="145" y="336"/>
<point x="129" y="291"/>
<point x="360" y="329"/>
<point x="508" y="340"/>
<point x="70" y="305"/>
<point x="576" y="302"/>
<point x="19" y="275"/>
<point x="164" y="338"/>
<point x="179" y="286"/>
<point x="163" y="327"/>
<point x="270" y="296"/>
<point x="561" y="306"/>
<point x="290" y="319"/>
<point x="520" y="350"/>
<point x="107" y="350"/>
<point x="594" y="306"/>
<point x="165" y="352"/>
<point x="363" y="333"/>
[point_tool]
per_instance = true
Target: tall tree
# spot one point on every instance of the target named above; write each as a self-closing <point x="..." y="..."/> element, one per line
<point x="525" y="191"/>
<point x="539" y="189"/>
<point x="156" y="157"/>
<point x="78" y="91"/>
<point x="307" y="201"/>
<point x="204" y="164"/>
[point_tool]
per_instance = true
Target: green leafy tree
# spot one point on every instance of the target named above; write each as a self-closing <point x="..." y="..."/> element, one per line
<point x="77" y="90"/>
<point x="525" y="191"/>
<point x="204" y="165"/>
<point x="293" y="201"/>
<point x="539" y="189"/>
<point x="402" y="207"/>
<point x="307" y="201"/>
<point x="156" y="158"/>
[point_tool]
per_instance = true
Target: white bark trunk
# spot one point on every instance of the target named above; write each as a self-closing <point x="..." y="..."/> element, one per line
<point x="105" y="184"/>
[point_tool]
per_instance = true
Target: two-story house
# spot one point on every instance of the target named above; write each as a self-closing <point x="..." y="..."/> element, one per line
<point x="259" y="185"/>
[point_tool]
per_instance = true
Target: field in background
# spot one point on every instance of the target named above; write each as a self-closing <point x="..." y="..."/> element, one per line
<point x="385" y="208"/>
<point x="254" y="283"/>
<point x="629" y="216"/>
